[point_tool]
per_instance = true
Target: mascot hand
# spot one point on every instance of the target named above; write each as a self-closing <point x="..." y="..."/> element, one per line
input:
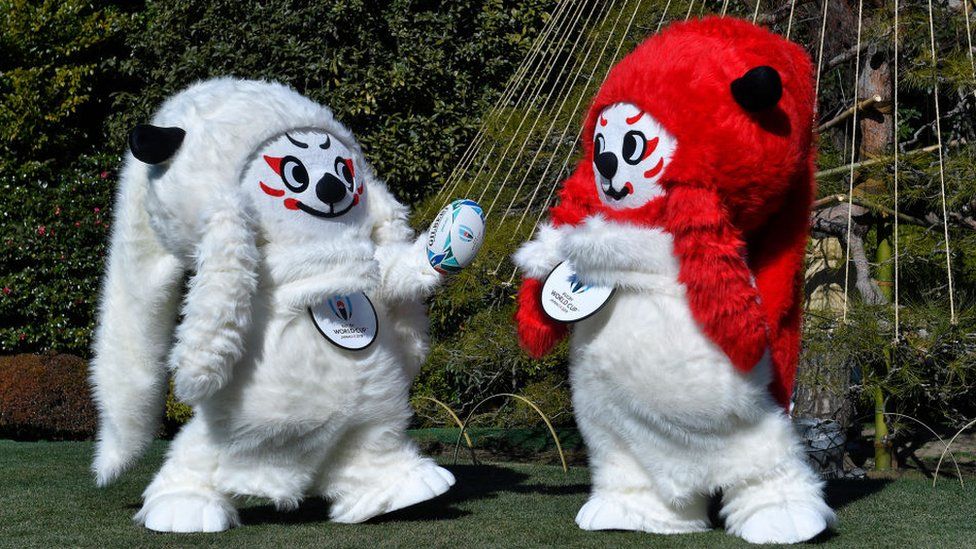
<point x="195" y="380"/>
<point x="607" y="253"/>
<point x="537" y="333"/>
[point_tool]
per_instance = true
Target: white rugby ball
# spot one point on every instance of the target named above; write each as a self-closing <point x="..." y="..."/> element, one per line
<point x="455" y="236"/>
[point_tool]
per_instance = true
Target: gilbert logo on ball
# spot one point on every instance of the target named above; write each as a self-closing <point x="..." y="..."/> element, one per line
<point x="455" y="236"/>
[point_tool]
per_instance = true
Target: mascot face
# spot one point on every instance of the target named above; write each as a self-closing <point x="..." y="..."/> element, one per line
<point x="306" y="176"/>
<point x="630" y="153"/>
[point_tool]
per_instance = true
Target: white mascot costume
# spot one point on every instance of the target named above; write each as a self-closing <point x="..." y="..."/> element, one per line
<point x="268" y="203"/>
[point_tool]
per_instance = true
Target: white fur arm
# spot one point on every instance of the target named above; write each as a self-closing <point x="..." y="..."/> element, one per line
<point x="539" y="256"/>
<point x="405" y="273"/>
<point x="618" y="254"/>
<point x="217" y="308"/>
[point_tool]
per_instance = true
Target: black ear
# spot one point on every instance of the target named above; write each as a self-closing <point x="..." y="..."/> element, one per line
<point x="153" y="145"/>
<point x="758" y="89"/>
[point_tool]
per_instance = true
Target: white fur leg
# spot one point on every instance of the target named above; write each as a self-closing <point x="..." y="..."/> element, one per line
<point x="624" y="498"/>
<point x="188" y="512"/>
<point x="183" y="496"/>
<point x="425" y="481"/>
<point x="642" y="512"/>
<point x="383" y="476"/>
<point x="786" y="507"/>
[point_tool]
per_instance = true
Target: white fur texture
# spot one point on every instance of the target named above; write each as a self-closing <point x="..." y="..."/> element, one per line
<point x="666" y="417"/>
<point x="279" y="412"/>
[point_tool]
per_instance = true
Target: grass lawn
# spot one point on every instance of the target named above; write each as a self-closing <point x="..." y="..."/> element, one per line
<point x="47" y="499"/>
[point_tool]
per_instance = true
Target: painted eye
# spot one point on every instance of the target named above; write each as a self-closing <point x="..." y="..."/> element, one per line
<point x="343" y="171"/>
<point x="293" y="173"/>
<point x="599" y="144"/>
<point x="633" y="147"/>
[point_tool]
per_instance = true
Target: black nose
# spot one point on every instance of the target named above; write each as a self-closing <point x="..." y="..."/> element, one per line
<point x="606" y="164"/>
<point x="329" y="189"/>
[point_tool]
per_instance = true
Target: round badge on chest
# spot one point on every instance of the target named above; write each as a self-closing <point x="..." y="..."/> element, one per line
<point x="566" y="299"/>
<point x="347" y="321"/>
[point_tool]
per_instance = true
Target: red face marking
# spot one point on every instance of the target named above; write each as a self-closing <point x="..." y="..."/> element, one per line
<point x="275" y="163"/>
<point x="633" y="119"/>
<point x="291" y="203"/>
<point x="352" y="169"/>
<point x="268" y="190"/>
<point x="359" y="190"/>
<point x="629" y="187"/>
<point x="655" y="170"/>
<point x="355" y="199"/>
<point x="603" y="121"/>
<point x="649" y="147"/>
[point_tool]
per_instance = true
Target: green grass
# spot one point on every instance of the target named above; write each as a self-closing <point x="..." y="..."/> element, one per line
<point x="47" y="499"/>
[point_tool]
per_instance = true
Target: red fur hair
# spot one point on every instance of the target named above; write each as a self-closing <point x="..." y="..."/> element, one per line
<point x="738" y="189"/>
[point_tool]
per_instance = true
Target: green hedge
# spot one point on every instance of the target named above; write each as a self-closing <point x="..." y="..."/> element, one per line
<point x="410" y="78"/>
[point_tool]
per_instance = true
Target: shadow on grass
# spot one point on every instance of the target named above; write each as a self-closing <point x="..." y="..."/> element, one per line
<point x="842" y="492"/>
<point x="474" y="482"/>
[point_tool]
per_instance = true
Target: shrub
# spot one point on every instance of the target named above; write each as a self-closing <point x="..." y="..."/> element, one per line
<point x="410" y="78"/>
<point x="45" y="396"/>
<point x="57" y="62"/>
<point x="53" y="229"/>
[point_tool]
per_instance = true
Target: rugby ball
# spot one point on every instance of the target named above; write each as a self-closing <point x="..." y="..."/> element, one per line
<point x="455" y="236"/>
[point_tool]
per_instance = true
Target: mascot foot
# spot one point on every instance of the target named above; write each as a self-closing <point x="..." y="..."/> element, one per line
<point x="424" y="482"/>
<point x="186" y="512"/>
<point x="642" y="514"/>
<point x="789" y="523"/>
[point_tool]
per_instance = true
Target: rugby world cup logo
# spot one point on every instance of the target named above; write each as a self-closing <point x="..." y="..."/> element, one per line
<point x="465" y="233"/>
<point x="576" y="285"/>
<point x="341" y="306"/>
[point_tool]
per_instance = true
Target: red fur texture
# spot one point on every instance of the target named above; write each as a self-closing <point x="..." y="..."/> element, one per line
<point x="738" y="189"/>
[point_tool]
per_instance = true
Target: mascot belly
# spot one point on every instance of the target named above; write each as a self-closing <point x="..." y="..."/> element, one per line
<point x="302" y="324"/>
<point x="692" y="202"/>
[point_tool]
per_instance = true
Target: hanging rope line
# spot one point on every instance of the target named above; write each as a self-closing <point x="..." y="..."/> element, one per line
<point x="513" y="83"/>
<point x="850" y="188"/>
<point x="969" y="42"/>
<point x="537" y="62"/>
<point x="545" y="60"/>
<point x="938" y="136"/>
<point x="789" y="24"/>
<point x="572" y="147"/>
<point x="568" y="88"/>
<point x="755" y="14"/>
<point x="569" y="122"/>
<point x="528" y="135"/>
<point x="550" y="64"/>
<point x="820" y="48"/>
<point x="666" y="7"/>
<point x="725" y="7"/>
<point x="895" y="105"/>
<point x="691" y="5"/>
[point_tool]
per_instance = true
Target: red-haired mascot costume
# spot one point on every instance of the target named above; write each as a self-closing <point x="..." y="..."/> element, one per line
<point x="692" y="199"/>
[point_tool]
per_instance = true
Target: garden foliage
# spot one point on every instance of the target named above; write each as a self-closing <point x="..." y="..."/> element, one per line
<point x="45" y="397"/>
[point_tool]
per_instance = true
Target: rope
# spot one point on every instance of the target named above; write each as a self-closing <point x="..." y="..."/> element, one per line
<point x="562" y="104"/>
<point x="561" y="39"/>
<point x="666" y="6"/>
<point x="528" y="135"/>
<point x="895" y="105"/>
<point x="823" y="33"/>
<point x="572" y="147"/>
<point x="475" y="145"/>
<point x="938" y="135"/>
<point x="725" y="7"/>
<point x="789" y="24"/>
<point x="969" y="42"/>
<point x="755" y="14"/>
<point x="850" y="190"/>
<point x="569" y="123"/>
<point x="691" y="5"/>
